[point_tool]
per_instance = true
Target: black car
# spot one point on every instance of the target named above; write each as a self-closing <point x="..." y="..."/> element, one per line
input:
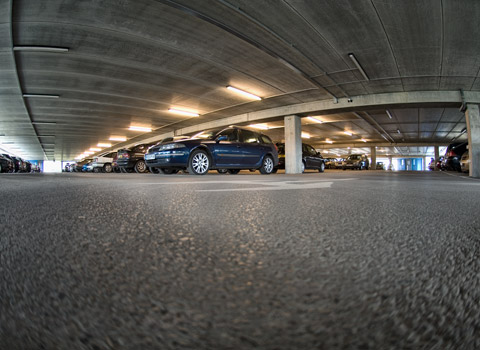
<point x="6" y="164"/>
<point x="311" y="159"/>
<point x="132" y="159"/>
<point x="229" y="149"/>
<point x="356" y="161"/>
<point x="453" y="154"/>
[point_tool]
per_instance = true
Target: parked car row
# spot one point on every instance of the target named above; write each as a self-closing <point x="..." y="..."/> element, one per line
<point x="456" y="158"/>
<point x="12" y="164"/>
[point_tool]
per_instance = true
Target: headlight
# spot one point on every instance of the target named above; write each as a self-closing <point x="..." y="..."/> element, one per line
<point x="172" y="146"/>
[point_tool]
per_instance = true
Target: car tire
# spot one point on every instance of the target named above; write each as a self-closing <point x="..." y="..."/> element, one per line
<point x="222" y="171"/>
<point x="107" y="168"/>
<point x="274" y="171"/>
<point x="140" y="167"/>
<point x="199" y="162"/>
<point x="1" y="169"/>
<point x="267" y="165"/>
<point x="322" y="168"/>
<point x="154" y="170"/>
<point x="233" y="171"/>
<point x="303" y="167"/>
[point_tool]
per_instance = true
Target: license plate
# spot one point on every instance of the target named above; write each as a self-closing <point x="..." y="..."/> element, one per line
<point x="150" y="156"/>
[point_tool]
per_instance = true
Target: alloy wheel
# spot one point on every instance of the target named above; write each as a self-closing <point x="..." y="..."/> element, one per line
<point x="200" y="163"/>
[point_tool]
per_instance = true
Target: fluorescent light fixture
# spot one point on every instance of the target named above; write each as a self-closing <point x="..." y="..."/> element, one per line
<point x="139" y="128"/>
<point x="178" y="111"/>
<point x="244" y="93"/>
<point x="41" y="48"/>
<point x="398" y="131"/>
<point x="44" y="123"/>
<point x="357" y="64"/>
<point x="8" y="143"/>
<point x="104" y="145"/>
<point x="41" y="96"/>
<point x="118" y="138"/>
<point x="329" y="141"/>
<point x="46" y="135"/>
<point x="348" y="133"/>
<point x="315" y="120"/>
<point x="364" y="140"/>
<point x="389" y="114"/>
<point x="95" y="149"/>
<point x="88" y="152"/>
<point x="305" y="135"/>
<point x="259" y="126"/>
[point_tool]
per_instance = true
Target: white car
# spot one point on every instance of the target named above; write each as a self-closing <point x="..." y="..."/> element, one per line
<point x="103" y="163"/>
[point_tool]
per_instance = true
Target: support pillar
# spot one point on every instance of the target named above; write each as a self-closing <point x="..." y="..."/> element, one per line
<point x="390" y="165"/>
<point x="472" y="116"/>
<point x="437" y="157"/>
<point x="293" y="145"/>
<point x="373" y="155"/>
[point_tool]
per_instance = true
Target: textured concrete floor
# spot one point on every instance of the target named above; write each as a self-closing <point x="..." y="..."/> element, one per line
<point x="340" y="260"/>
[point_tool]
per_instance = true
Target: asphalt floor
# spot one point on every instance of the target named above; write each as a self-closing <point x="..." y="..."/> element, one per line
<point x="334" y="260"/>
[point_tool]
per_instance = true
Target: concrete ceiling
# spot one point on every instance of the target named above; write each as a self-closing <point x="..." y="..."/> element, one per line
<point x="129" y="61"/>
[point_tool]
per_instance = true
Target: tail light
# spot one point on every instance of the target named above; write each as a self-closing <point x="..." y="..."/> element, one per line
<point x="276" y="147"/>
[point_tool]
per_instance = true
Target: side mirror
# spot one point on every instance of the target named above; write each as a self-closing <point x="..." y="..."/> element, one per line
<point x="222" y="138"/>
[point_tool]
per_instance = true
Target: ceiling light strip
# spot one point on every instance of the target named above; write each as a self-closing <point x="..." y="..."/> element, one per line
<point x="139" y="128"/>
<point x="357" y="64"/>
<point x="244" y="93"/>
<point x="181" y="112"/>
<point x="40" y="96"/>
<point x="41" y="48"/>
<point x="315" y="120"/>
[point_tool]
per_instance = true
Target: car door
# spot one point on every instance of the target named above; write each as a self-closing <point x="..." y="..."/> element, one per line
<point x="227" y="153"/>
<point x="252" y="150"/>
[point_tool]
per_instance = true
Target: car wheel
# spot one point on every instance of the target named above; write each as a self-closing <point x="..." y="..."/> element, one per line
<point x="107" y="168"/>
<point x="1" y="169"/>
<point x="267" y="165"/>
<point x="322" y="168"/>
<point x="169" y="171"/>
<point x="96" y="170"/>
<point x="303" y="166"/>
<point x="140" y="167"/>
<point x="274" y="171"/>
<point x="199" y="163"/>
<point x="154" y="170"/>
<point x="222" y="171"/>
<point x="233" y="171"/>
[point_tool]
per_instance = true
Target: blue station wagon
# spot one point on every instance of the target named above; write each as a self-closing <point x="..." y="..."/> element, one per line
<point x="226" y="150"/>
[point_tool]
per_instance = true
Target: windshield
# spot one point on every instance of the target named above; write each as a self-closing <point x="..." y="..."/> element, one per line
<point x="207" y="134"/>
<point x="354" y="157"/>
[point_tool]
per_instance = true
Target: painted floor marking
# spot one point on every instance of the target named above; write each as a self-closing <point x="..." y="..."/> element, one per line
<point x="261" y="185"/>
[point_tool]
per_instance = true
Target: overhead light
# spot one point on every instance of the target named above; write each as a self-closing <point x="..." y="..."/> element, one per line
<point x="389" y="114"/>
<point x="464" y="130"/>
<point x="41" y="95"/>
<point x="104" y="145"/>
<point x="244" y="93"/>
<point x="348" y="133"/>
<point x="118" y="138"/>
<point x="95" y="149"/>
<point x="259" y="126"/>
<point x="315" y="120"/>
<point x="46" y="123"/>
<point x="178" y="111"/>
<point x="305" y="135"/>
<point x="41" y="48"/>
<point x="398" y="131"/>
<point x="88" y="152"/>
<point x="364" y="140"/>
<point x="8" y="143"/>
<point x="328" y="141"/>
<point x="357" y="64"/>
<point x="139" y="128"/>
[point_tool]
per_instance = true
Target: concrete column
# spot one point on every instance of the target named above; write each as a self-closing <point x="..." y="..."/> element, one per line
<point x="472" y="116"/>
<point x="424" y="165"/>
<point x="373" y="155"/>
<point x="390" y="160"/>
<point x="437" y="156"/>
<point x="293" y="145"/>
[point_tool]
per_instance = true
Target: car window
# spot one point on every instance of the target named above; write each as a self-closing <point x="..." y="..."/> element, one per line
<point x="232" y="134"/>
<point x="249" y="136"/>
<point x="311" y="150"/>
<point x="265" y="139"/>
